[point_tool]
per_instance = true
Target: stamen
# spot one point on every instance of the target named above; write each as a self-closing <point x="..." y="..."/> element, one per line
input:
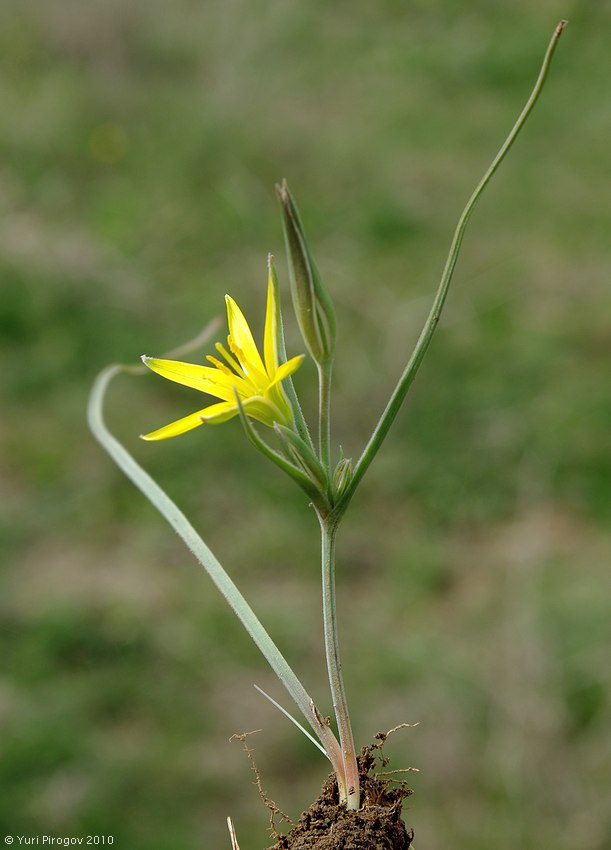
<point x="231" y="360"/>
<point x="239" y="354"/>
<point x="219" y="365"/>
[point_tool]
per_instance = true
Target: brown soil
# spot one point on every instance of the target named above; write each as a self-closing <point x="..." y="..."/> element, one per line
<point x="377" y="825"/>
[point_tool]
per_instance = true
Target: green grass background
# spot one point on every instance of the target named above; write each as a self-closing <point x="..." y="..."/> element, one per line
<point x="139" y="146"/>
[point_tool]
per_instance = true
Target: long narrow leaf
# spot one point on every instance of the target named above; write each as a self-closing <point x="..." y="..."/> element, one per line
<point x="292" y="719"/>
<point x="409" y="373"/>
<point x="169" y="510"/>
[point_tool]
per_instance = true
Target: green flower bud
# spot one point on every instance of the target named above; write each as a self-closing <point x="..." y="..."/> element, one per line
<point x="342" y="475"/>
<point x="313" y="306"/>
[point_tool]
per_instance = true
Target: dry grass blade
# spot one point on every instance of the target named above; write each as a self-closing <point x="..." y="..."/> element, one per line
<point x="234" y="840"/>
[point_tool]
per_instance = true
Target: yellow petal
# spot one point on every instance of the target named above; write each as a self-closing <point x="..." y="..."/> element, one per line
<point x="181" y="426"/>
<point x="286" y="369"/>
<point x="190" y="374"/>
<point x="270" y="337"/>
<point x="202" y="378"/>
<point x="256" y="407"/>
<point x="216" y="414"/>
<point x="241" y="335"/>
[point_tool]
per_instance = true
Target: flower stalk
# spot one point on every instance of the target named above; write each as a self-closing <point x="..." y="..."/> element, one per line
<point x="328" y="531"/>
<point x="324" y="414"/>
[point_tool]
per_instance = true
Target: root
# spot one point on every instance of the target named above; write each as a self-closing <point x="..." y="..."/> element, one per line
<point x="382" y="737"/>
<point x="388" y="774"/>
<point x="269" y="804"/>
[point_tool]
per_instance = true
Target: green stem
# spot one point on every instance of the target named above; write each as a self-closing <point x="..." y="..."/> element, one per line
<point x="426" y="335"/>
<point x="325" y="371"/>
<point x="334" y="667"/>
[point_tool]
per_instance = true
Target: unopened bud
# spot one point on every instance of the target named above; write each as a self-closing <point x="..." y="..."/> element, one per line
<point x="312" y="303"/>
<point x="342" y="476"/>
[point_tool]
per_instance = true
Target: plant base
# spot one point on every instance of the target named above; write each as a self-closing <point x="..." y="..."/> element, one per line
<point x="377" y="825"/>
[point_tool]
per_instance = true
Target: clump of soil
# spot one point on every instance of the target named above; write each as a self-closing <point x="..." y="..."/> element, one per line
<point x="377" y="825"/>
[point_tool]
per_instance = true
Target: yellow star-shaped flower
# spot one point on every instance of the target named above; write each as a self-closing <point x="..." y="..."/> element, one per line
<point x="257" y="381"/>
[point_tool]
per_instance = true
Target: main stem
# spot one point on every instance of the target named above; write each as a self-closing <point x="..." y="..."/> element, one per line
<point x="324" y="414"/>
<point x="340" y="705"/>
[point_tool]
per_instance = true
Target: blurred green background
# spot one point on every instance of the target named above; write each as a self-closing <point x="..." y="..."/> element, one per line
<point x="139" y="146"/>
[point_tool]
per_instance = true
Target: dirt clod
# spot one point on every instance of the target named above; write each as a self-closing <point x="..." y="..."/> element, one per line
<point x="377" y="825"/>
